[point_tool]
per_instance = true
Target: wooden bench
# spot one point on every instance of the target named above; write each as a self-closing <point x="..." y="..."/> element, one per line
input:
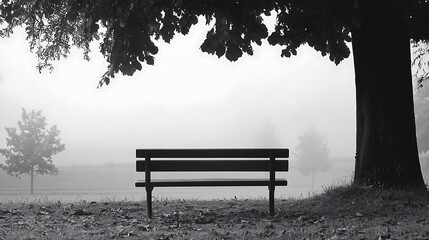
<point x="201" y="160"/>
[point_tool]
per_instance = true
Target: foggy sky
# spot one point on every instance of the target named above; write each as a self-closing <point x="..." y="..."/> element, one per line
<point x="187" y="100"/>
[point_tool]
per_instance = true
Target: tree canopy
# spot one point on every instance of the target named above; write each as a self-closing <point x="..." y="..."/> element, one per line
<point x="128" y="30"/>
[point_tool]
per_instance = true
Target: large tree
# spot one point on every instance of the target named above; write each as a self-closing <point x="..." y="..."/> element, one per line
<point x="380" y="31"/>
<point x="30" y="147"/>
<point x="386" y="141"/>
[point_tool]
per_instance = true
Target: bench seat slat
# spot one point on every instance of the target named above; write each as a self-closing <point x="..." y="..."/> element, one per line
<point x="212" y="165"/>
<point x="210" y="182"/>
<point x="213" y="153"/>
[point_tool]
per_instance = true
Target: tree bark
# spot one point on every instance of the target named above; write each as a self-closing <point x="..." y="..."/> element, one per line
<point x="386" y="145"/>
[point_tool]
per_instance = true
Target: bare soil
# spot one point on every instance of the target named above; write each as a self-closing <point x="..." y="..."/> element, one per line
<point x="348" y="212"/>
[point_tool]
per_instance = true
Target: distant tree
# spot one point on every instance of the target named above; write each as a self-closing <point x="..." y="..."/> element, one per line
<point x="267" y="136"/>
<point x="30" y="148"/>
<point x="313" y="153"/>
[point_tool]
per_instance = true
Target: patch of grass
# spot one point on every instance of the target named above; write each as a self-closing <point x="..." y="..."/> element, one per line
<point x="361" y="199"/>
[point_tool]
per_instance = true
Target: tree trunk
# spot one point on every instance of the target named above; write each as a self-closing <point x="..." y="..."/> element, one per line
<point x="32" y="180"/>
<point x="386" y="145"/>
<point x="312" y="179"/>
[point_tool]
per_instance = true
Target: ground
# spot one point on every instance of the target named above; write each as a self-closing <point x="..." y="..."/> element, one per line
<point x="347" y="212"/>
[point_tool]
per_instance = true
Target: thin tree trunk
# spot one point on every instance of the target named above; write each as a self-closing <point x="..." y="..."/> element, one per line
<point x="312" y="180"/>
<point x="32" y="180"/>
<point x="386" y="146"/>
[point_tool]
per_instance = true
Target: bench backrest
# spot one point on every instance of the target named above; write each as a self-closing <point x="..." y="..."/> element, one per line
<point x="213" y="165"/>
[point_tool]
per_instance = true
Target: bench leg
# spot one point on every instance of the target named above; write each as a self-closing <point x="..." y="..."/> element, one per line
<point x="271" y="196"/>
<point x="149" y="201"/>
<point x="272" y="184"/>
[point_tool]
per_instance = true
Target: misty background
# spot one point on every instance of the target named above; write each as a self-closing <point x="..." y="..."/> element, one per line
<point x="188" y="99"/>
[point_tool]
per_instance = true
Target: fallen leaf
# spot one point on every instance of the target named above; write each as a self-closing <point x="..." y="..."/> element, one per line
<point x="120" y="229"/>
<point x="323" y="218"/>
<point x="269" y="226"/>
<point x="144" y="227"/>
<point x="268" y="232"/>
<point x="189" y="207"/>
<point x="81" y="212"/>
<point x="384" y="236"/>
<point x="4" y="211"/>
<point x="14" y="211"/>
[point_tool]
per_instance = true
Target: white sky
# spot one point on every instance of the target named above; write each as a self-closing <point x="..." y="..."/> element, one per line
<point x="188" y="99"/>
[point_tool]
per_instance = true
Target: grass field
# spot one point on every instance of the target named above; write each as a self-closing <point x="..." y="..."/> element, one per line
<point x="92" y="183"/>
<point x="345" y="212"/>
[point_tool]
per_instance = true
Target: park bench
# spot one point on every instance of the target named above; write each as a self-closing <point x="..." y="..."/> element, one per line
<point x="211" y="160"/>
